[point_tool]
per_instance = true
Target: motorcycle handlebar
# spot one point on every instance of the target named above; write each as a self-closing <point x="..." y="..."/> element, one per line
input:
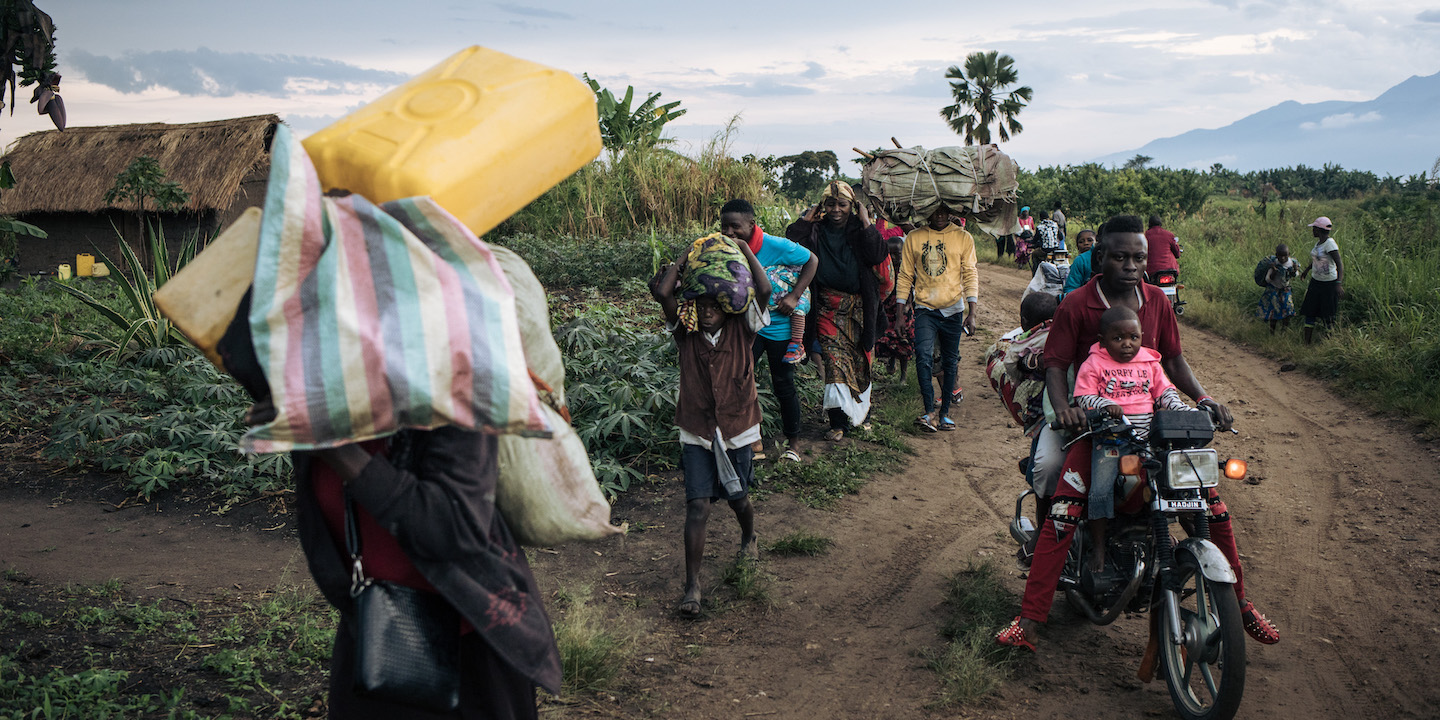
<point x="1094" y="415"/>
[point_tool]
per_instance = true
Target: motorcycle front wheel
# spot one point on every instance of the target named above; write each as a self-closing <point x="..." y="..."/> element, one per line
<point x="1206" y="671"/>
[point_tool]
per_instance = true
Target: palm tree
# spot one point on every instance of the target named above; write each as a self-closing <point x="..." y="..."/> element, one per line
<point x="980" y="98"/>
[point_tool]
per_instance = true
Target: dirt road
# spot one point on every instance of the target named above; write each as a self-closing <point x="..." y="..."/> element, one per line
<point x="1335" y="535"/>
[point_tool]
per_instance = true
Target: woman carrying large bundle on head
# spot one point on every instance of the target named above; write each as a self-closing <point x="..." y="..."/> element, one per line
<point x="846" y="304"/>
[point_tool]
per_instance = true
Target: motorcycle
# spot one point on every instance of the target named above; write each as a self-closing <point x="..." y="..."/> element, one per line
<point x="1169" y="283"/>
<point x="1186" y="586"/>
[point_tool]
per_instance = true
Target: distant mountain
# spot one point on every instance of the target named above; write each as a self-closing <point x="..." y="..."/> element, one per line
<point x="1397" y="133"/>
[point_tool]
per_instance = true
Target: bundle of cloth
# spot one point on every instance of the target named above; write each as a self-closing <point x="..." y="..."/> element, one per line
<point x="978" y="182"/>
<point x="716" y="269"/>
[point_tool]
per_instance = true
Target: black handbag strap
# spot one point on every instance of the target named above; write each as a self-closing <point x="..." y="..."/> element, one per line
<point x="352" y="546"/>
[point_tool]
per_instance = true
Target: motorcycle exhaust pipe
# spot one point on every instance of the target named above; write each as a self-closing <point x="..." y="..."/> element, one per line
<point x="1118" y="607"/>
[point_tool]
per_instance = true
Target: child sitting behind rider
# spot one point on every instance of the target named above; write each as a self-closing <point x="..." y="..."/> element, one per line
<point x="1126" y="380"/>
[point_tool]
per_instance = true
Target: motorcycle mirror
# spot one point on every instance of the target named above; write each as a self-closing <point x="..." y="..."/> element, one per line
<point x="1130" y="465"/>
<point x="1235" y="469"/>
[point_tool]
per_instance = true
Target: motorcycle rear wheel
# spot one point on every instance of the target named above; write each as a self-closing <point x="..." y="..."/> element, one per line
<point x="1205" y="674"/>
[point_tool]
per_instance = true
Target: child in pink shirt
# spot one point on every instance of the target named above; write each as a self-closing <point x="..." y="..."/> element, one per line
<point x="1126" y="379"/>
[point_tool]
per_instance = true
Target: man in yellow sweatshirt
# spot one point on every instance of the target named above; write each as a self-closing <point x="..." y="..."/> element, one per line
<point x="938" y="264"/>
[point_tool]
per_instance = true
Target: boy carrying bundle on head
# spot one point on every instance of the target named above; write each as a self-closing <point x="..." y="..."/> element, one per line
<point x="722" y="295"/>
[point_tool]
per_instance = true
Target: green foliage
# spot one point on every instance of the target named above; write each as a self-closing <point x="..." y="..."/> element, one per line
<point x="622" y="378"/>
<point x="244" y="648"/>
<point x="623" y="129"/>
<point x="167" y="419"/>
<point x="801" y="542"/>
<point x="1091" y="193"/>
<point x="1386" y="347"/>
<point x="972" y="665"/>
<point x="748" y="578"/>
<point x="593" y="648"/>
<point x="143" y="179"/>
<point x="570" y="262"/>
<point x="804" y="175"/>
<point x="139" y="321"/>
<point x="90" y="693"/>
<point x="981" y="100"/>
<point x="644" y="189"/>
<point x="821" y="481"/>
<point x="38" y="317"/>
<point x="1138" y="162"/>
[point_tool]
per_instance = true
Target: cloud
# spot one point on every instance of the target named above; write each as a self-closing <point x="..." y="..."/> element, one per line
<point x="534" y="12"/>
<point x="763" y="87"/>
<point x="1430" y="16"/>
<point x="205" y="72"/>
<point x="813" y="70"/>
<point x="1341" y="120"/>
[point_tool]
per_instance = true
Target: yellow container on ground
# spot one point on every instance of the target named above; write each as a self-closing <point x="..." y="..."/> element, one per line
<point x="63" y="272"/>
<point x="100" y="270"/>
<point x="84" y="265"/>
<point x="483" y="133"/>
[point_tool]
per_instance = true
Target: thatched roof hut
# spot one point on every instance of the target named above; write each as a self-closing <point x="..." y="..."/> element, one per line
<point x="62" y="177"/>
<point x="70" y="171"/>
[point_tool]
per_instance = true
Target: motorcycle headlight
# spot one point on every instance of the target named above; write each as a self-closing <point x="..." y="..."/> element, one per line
<point x="1188" y="469"/>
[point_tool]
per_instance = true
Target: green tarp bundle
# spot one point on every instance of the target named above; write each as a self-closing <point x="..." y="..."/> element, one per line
<point x="978" y="182"/>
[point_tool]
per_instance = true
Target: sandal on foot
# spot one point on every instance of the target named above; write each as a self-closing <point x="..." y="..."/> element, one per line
<point x="1014" y="636"/>
<point x="1258" y="626"/>
<point x="924" y="422"/>
<point x="834" y="435"/>
<point x="790" y="456"/>
<point x="946" y="423"/>
<point x="689" y="609"/>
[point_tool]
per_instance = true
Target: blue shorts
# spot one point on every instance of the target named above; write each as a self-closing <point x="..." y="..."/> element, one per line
<point x="702" y="478"/>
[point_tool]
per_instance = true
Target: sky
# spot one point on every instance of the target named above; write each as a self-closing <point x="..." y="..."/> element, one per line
<point x="1107" y="76"/>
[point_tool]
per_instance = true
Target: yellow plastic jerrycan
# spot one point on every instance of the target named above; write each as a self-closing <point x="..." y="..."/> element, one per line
<point x="100" y="270"/>
<point x="63" y="272"/>
<point x="483" y="133"/>
<point x="84" y="265"/>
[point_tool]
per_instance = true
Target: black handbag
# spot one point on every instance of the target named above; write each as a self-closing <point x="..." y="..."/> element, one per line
<point x="407" y="641"/>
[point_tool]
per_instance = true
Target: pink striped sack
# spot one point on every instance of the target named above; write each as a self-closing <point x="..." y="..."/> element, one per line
<point x="369" y="319"/>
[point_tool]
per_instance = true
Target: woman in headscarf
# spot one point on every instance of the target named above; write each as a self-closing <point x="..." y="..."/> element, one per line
<point x="846" y="304"/>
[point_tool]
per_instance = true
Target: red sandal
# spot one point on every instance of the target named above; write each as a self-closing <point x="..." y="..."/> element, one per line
<point x="1258" y="626"/>
<point x="1014" y="636"/>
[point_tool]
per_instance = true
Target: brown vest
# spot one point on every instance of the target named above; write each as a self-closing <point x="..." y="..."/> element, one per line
<point x="717" y="382"/>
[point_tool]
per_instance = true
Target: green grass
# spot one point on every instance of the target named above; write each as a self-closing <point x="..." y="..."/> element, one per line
<point x="749" y="580"/>
<point x="593" y="648"/>
<point x="106" y="654"/>
<point x="801" y="542"/>
<point x="1385" y="348"/>
<point x="972" y="665"/>
<point x="821" y="481"/>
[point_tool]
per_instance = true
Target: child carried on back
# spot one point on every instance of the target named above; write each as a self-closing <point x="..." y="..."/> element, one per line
<point x="723" y="293"/>
<point x="1125" y="379"/>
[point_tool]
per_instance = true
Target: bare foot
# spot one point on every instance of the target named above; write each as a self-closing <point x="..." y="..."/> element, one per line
<point x="750" y="548"/>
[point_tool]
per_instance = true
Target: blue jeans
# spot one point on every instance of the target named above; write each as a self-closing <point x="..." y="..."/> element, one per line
<point x="930" y="324"/>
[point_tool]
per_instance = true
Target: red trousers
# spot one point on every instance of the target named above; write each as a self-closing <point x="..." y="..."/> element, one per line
<point x="1056" y="534"/>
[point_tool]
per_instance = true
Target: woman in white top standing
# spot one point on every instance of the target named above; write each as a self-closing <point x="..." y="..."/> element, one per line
<point x="1322" y="298"/>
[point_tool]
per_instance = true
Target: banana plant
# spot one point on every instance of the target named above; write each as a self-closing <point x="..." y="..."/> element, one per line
<point x="140" y="322"/>
<point x="623" y="129"/>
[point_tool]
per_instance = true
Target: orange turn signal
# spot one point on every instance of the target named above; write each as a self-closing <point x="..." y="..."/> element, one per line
<point x="1130" y="465"/>
<point x="1235" y="469"/>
